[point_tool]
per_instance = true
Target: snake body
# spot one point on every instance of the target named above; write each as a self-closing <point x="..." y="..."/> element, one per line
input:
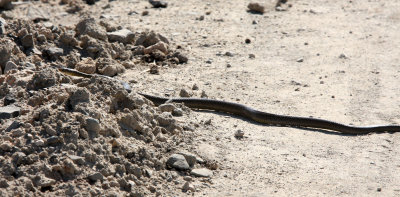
<point x="252" y="114"/>
<point x="272" y="119"/>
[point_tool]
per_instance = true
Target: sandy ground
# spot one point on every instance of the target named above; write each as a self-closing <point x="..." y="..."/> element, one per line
<point x="361" y="89"/>
<point x="336" y="60"/>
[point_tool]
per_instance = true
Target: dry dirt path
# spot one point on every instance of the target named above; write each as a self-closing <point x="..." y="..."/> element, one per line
<point x="360" y="87"/>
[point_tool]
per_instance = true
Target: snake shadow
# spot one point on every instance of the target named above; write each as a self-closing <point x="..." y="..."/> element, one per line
<point x="272" y="125"/>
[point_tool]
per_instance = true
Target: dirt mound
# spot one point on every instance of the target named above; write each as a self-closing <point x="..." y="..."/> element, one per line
<point x="63" y="135"/>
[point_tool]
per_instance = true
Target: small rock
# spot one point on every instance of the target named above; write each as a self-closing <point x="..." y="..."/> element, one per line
<point x="203" y="94"/>
<point x="256" y="8"/>
<point x="300" y="60"/>
<point x="342" y="56"/>
<point x="37" y="14"/>
<point x="3" y="25"/>
<point x="188" y="187"/>
<point x="9" y="100"/>
<point x="190" y="158"/>
<point x="239" y="133"/>
<point x="9" y="112"/>
<point x="161" y="46"/>
<point x="124" y="36"/>
<point x="4" y="183"/>
<point x="17" y="133"/>
<point x="247" y="41"/>
<point x="184" y="93"/>
<point x="252" y="56"/>
<point x="54" y="140"/>
<point x="181" y="57"/>
<point x="38" y="142"/>
<point x="86" y="65"/>
<point x="6" y="146"/>
<point x="158" y="4"/>
<point x="195" y="87"/>
<point x="54" y="52"/>
<point x="95" y="176"/>
<point x="201" y="172"/>
<point x="147" y="39"/>
<point x="41" y="38"/>
<point x="168" y="107"/>
<point x="229" y="54"/>
<point x="92" y="125"/>
<point x="6" y="4"/>
<point x="177" y="112"/>
<point x="27" y="41"/>
<point x="145" y="13"/>
<point x="42" y="181"/>
<point x="80" y="95"/>
<point x="178" y="162"/>
<point x="77" y="159"/>
<point x="89" y="27"/>
<point x="10" y="66"/>
<point x="14" y="125"/>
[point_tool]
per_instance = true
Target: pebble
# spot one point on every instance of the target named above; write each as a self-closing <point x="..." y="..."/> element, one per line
<point x="168" y="107"/>
<point x="184" y="93"/>
<point x="201" y="172"/>
<point x="161" y="46"/>
<point x="9" y="112"/>
<point x="37" y="14"/>
<point x="229" y="54"/>
<point x="54" y="52"/>
<point x="256" y="8"/>
<point x="13" y="125"/>
<point x="54" y="140"/>
<point x="190" y="158"/>
<point x="177" y="112"/>
<point x="178" y="162"/>
<point x="10" y="66"/>
<point x="300" y="60"/>
<point x="6" y="4"/>
<point x="77" y="159"/>
<point x="92" y="125"/>
<point x="181" y="57"/>
<point x="239" y="133"/>
<point x="6" y="146"/>
<point x="158" y="4"/>
<point x="38" y="142"/>
<point x="342" y="56"/>
<point x="3" y="25"/>
<point x="4" y="183"/>
<point x="89" y="27"/>
<point x="124" y="36"/>
<point x="95" y="176"/>
<point x="27" y="41"/>
<point x="80" y="95"/>
<point x="252" y="56"/>
<point x="188" y="187"/>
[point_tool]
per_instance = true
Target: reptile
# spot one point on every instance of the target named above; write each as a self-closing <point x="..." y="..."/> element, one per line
<point x="255" y="115"/>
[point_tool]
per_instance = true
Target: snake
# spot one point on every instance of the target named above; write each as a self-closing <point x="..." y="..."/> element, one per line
<point x="272" y="119"/>
<point x="253" y="114"/>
